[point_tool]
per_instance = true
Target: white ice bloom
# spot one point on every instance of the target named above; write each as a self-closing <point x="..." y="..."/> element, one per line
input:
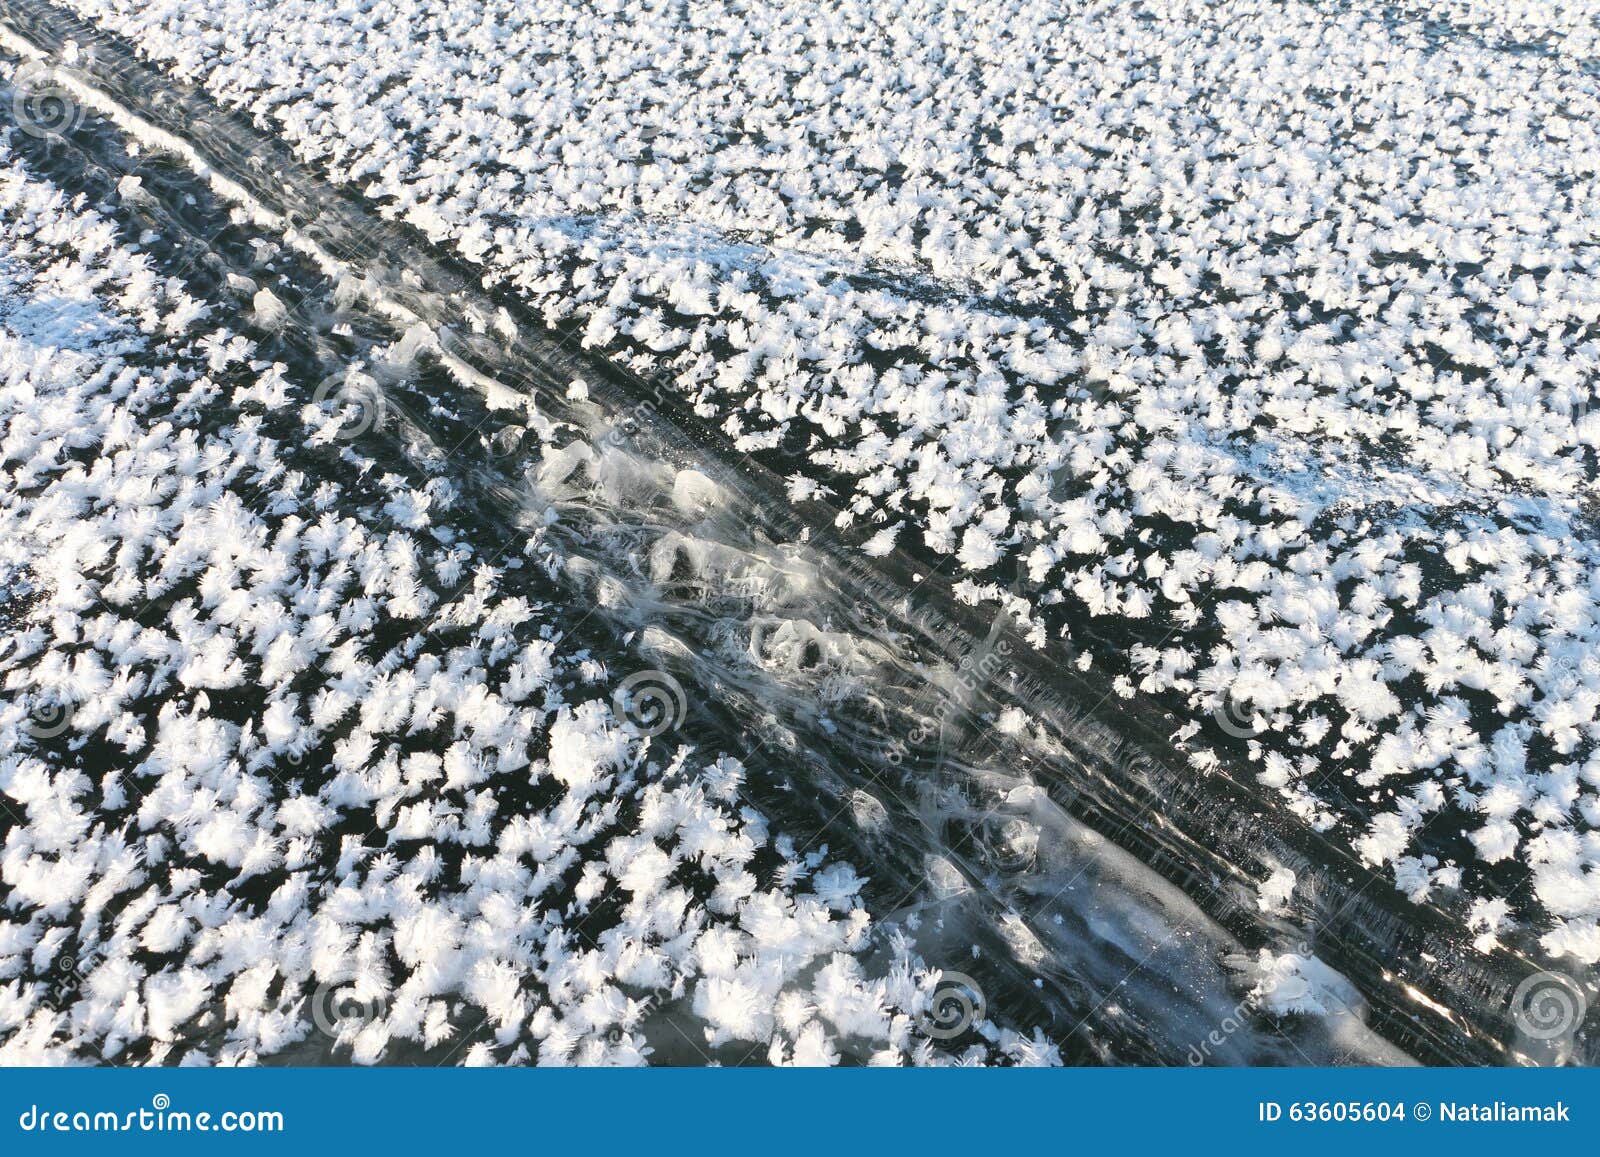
<point x="585" y="748"/>
<point x="1273" y="893"/>
<point x="1187" y="379"/>
<point x="837" y="886"/>
<point x="442" y="841"/>
<point x="882" y="542"/>
<point x="1291" y="983"/>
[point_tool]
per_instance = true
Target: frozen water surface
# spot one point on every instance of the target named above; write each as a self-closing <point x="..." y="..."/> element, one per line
<point x="1012" y="618"/>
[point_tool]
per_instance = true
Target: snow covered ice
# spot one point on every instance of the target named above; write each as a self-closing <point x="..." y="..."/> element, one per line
<point x="189" y="610"/>
<point x="1242" y="359"/>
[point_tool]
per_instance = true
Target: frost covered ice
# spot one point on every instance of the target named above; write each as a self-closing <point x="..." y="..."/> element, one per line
<point x="280" y="751"/>
<point x="1245" y="351"/>
<point x="1244" y="354"/>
